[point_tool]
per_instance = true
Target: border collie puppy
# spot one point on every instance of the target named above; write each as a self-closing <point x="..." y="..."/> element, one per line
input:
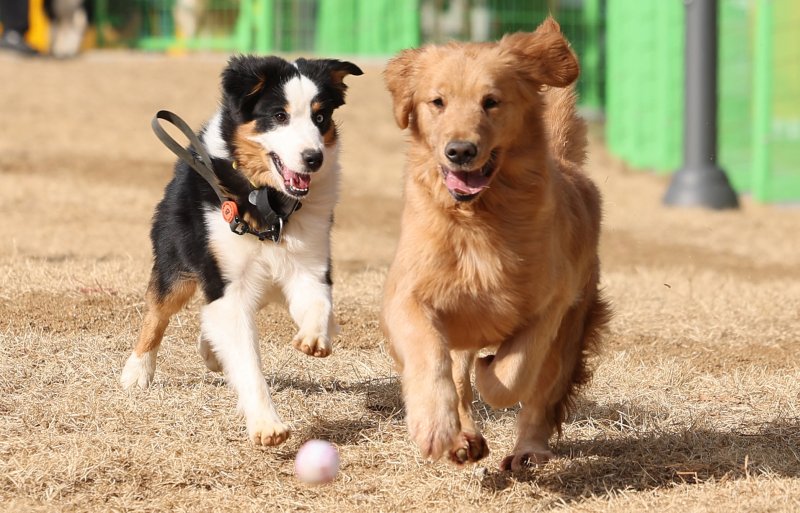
<point x="272" y="142"/>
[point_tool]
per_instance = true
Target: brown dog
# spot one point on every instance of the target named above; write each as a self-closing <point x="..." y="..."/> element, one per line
<point x="498" y="245"/>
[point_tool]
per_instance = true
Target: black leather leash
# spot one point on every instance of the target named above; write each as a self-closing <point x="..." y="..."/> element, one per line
<point x="263" y="198"/>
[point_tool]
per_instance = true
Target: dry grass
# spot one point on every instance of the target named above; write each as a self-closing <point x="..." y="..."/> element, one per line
<point x="695" y="405"/>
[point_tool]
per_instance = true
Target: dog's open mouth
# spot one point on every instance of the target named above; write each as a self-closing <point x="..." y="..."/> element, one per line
<point x="296" y="183"/>
<point x="466" y="185"/>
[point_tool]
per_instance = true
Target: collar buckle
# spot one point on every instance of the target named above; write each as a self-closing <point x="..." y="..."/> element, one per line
<point x="273" y="233"/>
<point x="239" y="227"/>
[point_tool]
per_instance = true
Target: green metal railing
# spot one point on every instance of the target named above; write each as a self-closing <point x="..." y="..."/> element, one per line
<point x="351" y="27"/>
<point x="372" y="27"/>
<point x="777" y="119"/>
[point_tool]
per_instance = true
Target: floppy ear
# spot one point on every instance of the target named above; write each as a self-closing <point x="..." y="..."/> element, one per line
<point x="245" y="77"/>
<point x="340" y="69"/>
<point x="548" y="25"/>
<point x="544" y="55"/>
<point x="332" y="69"/>
<point x="400" y="77"/>
<point x="330" y="72"/>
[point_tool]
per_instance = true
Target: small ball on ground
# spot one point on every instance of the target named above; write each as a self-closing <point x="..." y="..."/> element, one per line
<point x="317" y="462"/>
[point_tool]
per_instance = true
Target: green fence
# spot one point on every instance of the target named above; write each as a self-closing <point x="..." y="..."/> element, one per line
<point x="759" y="90"/>
<point x="348" y="27"/>
<point x="365" y="27"/>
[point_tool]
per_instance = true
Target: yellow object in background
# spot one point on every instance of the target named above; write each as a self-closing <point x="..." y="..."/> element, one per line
<point x="38" y="35"/>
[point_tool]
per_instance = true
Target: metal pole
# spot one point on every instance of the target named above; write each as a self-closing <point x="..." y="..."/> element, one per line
<point x="700" y="181"/>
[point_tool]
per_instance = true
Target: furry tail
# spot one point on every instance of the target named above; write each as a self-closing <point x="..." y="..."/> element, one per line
<point x="595" y="318"/>
<point x="567" y="130"/>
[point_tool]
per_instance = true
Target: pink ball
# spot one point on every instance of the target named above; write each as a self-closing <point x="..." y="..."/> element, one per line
<point x="317" y="462"/>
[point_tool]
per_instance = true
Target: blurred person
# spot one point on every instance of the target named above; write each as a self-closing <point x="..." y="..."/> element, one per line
<point x="68" y="22"/>
<point x="187" y="14"/>
<point x="14" y="17"/>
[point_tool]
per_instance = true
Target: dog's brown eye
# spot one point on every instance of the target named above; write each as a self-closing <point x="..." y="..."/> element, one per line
<point x="438" y="102"/>
<point x="319" y="118"/>
<point x="490" y="103"/>
<point x="281" y="117"/>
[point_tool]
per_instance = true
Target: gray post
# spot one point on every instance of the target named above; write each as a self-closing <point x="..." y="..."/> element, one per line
<point x="700" y="182"/>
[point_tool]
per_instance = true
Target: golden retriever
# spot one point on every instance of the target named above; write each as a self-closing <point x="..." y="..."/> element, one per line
<point x="498" y="242"/>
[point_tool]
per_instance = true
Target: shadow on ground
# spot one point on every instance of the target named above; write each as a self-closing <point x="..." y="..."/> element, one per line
<point x="638" y="461"/>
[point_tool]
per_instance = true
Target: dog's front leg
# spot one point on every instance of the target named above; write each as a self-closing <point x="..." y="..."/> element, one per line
<point x="310" y="305"/>
<point x="227" y="324"/>
<point x="426" y="373"/>
<point x="527" y="368"/>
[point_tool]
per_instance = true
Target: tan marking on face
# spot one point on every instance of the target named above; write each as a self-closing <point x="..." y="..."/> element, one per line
<point x="252" y="159"/>
<point x="330" y="136"/>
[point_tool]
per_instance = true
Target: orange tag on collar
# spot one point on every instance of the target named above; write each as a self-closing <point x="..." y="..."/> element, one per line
<point x="229" y="211"/>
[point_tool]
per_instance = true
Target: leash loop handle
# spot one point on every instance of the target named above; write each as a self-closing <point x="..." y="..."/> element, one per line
<point x="202" y="164"/>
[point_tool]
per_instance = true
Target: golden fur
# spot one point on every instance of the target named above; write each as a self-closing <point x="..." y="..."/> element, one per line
<point x="516" y="268"/>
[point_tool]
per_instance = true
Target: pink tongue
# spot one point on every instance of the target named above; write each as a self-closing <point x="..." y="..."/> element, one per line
<point x="465" y="183"/>
<point x="297" y="180"/>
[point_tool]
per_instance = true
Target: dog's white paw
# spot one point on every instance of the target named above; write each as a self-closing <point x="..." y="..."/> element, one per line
<point x="267" y="431"/>
<point x="208" y="355"/>
<point x="312" y="345"/>
<point x="138" y="370"/>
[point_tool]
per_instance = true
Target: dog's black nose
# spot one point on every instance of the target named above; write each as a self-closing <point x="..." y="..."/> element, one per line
<point x="312" y="158"/>
<point x="460" y="152"/>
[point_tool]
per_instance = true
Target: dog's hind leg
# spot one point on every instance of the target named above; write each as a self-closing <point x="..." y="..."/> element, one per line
<point x="207" y="354"/>
<point x="471" y="446"/>
<point x="159" y="308"/>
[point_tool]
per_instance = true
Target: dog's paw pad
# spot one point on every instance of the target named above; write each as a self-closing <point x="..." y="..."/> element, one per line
<point x="318" y="346"/>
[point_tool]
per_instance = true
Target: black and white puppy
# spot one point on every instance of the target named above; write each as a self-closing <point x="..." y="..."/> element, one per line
<point x="273" y="131"/>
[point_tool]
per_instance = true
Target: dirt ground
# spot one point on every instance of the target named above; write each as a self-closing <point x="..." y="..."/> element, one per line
<point x="695" y="405"/>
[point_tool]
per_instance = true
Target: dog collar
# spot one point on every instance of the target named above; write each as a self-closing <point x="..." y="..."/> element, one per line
<point x="273" y="207"/>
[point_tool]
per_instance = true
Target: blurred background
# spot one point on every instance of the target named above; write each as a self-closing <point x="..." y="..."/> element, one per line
<point x="631" y="51"/>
